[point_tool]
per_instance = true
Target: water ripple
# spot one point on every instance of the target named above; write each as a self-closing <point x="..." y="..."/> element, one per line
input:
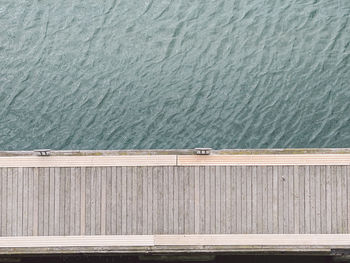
<point x="174" y="74"/>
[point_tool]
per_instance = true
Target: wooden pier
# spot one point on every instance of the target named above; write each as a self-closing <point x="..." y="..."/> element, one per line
<point x="293" y="201"/>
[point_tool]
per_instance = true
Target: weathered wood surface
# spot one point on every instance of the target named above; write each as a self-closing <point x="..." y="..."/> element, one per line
<point x="175" y="200"/>
<point x="87" y="161"/>
<point x="175" y="160"/>
<point x="264" y="159"/>
<point x="254" y="243"/>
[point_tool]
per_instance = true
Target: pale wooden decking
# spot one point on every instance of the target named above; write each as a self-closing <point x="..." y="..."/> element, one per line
<point x="175" y="200"/>
<point x="175" y="160"/>
<point x="265" y="160"/>
<point x="88" y="161"/>
<point x="78" y="241"/>
<point x="320" y="244"/>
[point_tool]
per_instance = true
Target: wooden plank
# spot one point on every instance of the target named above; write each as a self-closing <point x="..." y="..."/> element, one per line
<point x="223" y="200"/>
<point x="187" y="200"/>
<point x="9" y="200"/>
<point x="93" y="213"/>
<point x="270" y="200"/>
<point x="144" y="200"/>
<point x="158" y="244"/>
<point x="312" y="200"/>
<point x="8" y="207"/>
<point x="127" y="203"/>
<point x="212" y="199"/>
<point x="196" y="200"/>
<point x="176" y="200"/>
<point x="88" y="161"/>
<point x="51" y="201"/>
<point x="275" y="200"/>
<point x="167" y="160"/>
<point x="139" y="192"/>
<point x="166" y="204"/>
<point x="35" y="201"/>
<point x="88" y="200"/>
<point x="150" y="200"/>
<point x="207" y="200"/>
<point x="133" y="178"/>
<point x="98" y="195"/>
<point x="190" y="241"/>
<point x="254" y="200"/>
<point x="104" y="199"/>
<point x="323" y="203"/>
<point x="339" y="201"/>
<point x="228" y="185"/>
<point x="264" y="159"/>
<point x="181" y="187"/>
<point x="285" y="181"/>
<point x="119" y="201"/>
<point x="318" y="199"/>
<point x="58" y="201"/>
<point x="14" y="201"/>
<point x="348" y="195"/>
<point x="216" y="174"/>
<point x="243" y="200"/>
<point x="3" y="203"/>
<point x="307" y="201"/>
<point x="265" y="204"/>
<point x="46" y="200"/>
<point x="77" y="210"/>
<point x="30" y="201"/>
<point x="155" y="197"/>
<point x="291" y="195"/>
<point x="83" y="189"/>
<point x="70" y="200"/>
<point x="191" y="201"/>
<point x="68" y="203"/>
<point x="259" y="198"/>
<point x="344" y="200"/>
<point x="109" y="197"/>
<point x="9" y="203"/>
<point x="252" y="240"/>
<point x="20" y="202"/>
<point x="25" y="201"/>
<point x="296" y="182"/>
<point x="333" y="204"/>
<point x="301" y="170"/>
<point x="328" y="199"/>
<point x="114" y="200"/>
<point x="216" y="244"/>
<point x="171" y="200"/>
<point x="239" y="199"/>
<point x="41" y="197"/>
<point x="166" y="200"/>
<point x="77" y="241"/>
<point x="280" y="200"/>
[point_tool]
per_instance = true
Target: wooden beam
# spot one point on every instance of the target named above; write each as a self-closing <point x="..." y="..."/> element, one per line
<point x="88" y="161"/>
<point x="319" y="243"/>
<point x="266" y="160"/>
<point x="175" y="160"/>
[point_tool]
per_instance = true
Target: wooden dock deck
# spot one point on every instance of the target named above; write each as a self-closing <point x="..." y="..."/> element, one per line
<point x="232" y="201"/>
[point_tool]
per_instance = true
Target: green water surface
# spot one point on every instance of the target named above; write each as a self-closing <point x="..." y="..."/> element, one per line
<point x="121" y="74"/>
